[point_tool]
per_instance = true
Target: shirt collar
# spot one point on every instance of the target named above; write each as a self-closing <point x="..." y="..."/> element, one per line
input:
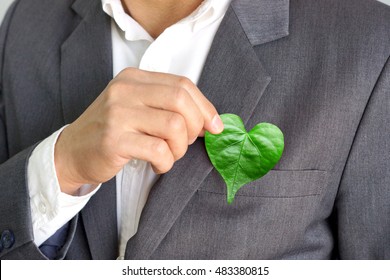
<point x="207" y="12"/>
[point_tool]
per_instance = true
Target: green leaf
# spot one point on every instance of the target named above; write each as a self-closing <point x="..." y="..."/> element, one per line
<point x="240" y="156"/>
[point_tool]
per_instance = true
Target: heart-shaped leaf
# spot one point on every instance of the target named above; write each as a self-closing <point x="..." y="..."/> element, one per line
<point x="240" y="156"/>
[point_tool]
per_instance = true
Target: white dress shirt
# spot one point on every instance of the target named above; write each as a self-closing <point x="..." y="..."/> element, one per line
<point x="182" y="50"/>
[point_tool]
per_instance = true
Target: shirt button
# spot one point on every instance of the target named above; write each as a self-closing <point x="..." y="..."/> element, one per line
<point x="133" y="163"/>
<point x="7" y="239"/>
<point x="42" y="208"/>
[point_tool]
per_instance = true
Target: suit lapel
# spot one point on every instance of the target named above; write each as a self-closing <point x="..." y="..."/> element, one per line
<point x="86" y="59"/>
<point x="86" y="69"/>
<point x="100" y="223"/>
<point x="234" y="80"/>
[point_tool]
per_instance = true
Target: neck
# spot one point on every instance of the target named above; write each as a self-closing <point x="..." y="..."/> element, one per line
<point x="157" y="15"/>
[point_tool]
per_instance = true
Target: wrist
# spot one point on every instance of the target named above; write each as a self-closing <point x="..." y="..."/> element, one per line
<point x="68" y="181"/>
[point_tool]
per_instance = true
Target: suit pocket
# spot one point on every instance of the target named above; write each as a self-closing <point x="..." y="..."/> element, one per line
<point x="276" y="183"/>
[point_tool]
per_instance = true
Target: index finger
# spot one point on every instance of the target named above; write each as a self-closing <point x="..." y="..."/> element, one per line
<point x="212" y="120"/>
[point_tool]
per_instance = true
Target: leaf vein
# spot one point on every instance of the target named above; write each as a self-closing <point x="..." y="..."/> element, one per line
<point x="250" y="139"/>
<point x="224" y="148"/>
<point x="239" y="157"/>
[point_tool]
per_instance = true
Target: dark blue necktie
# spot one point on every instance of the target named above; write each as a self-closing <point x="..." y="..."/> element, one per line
<point x="53" y="245"/>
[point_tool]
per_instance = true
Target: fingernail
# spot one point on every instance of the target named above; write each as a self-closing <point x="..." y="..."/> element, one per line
<point x="217" y="124"/>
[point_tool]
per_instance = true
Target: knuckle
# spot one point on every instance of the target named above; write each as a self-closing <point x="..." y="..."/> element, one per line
<point x="159" y="148"/>
<point x="128" y="71"/>
<point x="162" y="156"/>
<point x="114" y="89"/>
<point x="121" y="92"/>
<point x="180" y="98"/>
<point x="176" y="123"/>
<point x="185" y="83"/>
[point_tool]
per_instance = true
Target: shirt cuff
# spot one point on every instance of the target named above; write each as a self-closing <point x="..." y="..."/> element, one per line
<point x="51" y="208"/>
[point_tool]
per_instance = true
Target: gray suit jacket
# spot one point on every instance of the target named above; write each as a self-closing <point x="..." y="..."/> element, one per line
<point x="319" y="70"/>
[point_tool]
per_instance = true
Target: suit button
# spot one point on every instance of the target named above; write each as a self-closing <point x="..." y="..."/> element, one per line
<point x="7" y="239"/>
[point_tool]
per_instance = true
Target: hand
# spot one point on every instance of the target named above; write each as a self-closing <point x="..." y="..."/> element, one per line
<point x="144" y="115"/>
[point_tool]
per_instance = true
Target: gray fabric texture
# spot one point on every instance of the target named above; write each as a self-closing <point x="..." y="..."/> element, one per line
<point x="307" y="66"/>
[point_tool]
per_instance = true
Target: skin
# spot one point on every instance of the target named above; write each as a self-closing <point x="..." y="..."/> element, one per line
<point x="140" y="114"/>
<point x="156" y="15"/>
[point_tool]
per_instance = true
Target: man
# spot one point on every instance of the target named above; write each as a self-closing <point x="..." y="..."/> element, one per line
<point x="307" y="66"/>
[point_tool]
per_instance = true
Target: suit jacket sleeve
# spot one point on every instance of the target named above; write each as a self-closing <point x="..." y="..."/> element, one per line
<point x="363" y="200"/>
<point x="15" y="214"/>
<point x="15" y="222"/>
